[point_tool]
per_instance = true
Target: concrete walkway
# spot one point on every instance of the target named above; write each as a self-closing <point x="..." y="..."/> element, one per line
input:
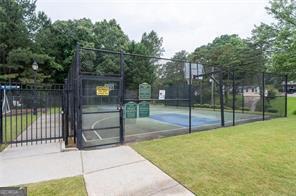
<point x="112" y="171"/>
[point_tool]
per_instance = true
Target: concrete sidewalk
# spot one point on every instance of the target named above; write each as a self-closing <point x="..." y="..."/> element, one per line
<point x="112" y="171"/>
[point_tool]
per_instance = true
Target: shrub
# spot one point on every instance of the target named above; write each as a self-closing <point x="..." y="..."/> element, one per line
<point x="272" y="110"/>
<point x="294" y="112"/>
<point x="245" y="108"/>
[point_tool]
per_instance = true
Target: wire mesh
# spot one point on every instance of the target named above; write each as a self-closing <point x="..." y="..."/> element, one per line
<point x="176" y="103"/>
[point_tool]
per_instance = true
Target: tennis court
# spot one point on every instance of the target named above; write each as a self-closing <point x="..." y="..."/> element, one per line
<point x="114" y="104"/>
<point x="103" y="128"/>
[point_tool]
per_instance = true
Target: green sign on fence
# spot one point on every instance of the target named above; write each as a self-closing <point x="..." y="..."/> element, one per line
<point x="144" y="91"/>
<point x="144" y="109"/>
<point x="131" y="110"/>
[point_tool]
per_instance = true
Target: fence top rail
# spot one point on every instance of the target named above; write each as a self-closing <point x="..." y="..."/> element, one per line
<point x="175" y="60"/>
<point x="20" y="86"/>
<point x="135" y="55"/>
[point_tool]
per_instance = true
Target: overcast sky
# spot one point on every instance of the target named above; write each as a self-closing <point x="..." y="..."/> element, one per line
<point x="184" y="25"/>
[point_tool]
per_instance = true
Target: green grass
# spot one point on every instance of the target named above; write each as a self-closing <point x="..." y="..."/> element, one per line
<point x="66" y="186"/>
<point x="291" y="105"/>
<point x="257" y="158"/>
<point x="13" y="126"/>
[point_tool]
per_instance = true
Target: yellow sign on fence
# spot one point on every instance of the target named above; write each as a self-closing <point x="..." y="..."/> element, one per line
<point x="102" y="90"/>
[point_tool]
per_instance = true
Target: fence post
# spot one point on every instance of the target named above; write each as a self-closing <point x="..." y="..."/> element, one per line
<point x="263" y="96"/>
<point x="243" y="98"/>
<point x="233" y="99"/>
<point x="77" y="106"/>
<point x="189" y="95"/>
<point x="65" y="113"/>
<point x="1" y="104"/>
<point x="286" y="95"/>
<point x="121" y="118"/>
<point x="221" y="98"/>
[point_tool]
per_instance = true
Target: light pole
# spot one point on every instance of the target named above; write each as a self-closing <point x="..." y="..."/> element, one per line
<point x="35" y="68"/>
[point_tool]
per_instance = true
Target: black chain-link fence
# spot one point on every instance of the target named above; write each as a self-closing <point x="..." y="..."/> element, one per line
<point x="116" y="97"/>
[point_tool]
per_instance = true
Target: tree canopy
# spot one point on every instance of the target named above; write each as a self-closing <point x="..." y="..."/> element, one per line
<point x="27" y="35"/>
<point x="278" y="40"/>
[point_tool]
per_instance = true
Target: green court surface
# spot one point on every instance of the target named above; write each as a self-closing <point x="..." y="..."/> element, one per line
<point x="103" y="128"/>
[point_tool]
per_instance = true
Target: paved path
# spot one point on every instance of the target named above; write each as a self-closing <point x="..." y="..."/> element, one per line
<point x="112" y="171"/>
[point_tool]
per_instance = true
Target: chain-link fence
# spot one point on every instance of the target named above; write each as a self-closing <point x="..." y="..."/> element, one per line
<point x="118" y="97"/>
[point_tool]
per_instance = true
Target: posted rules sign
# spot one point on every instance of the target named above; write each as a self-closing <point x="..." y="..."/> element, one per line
<point x="144" y="91"/>
<point x="131" y="110"/>
<point x="102" y="90"/>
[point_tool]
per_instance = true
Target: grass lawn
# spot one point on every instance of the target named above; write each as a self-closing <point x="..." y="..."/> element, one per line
<point x="66" y="186"/>
<point x="12" y="127"/>
<point x="257" y="158"/>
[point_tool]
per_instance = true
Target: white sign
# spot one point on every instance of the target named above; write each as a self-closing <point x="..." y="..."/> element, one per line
<point x="161" y="95"/>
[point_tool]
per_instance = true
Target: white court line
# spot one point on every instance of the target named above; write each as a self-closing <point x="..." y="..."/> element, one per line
<point x="93" y="126"/>
<point x="98" y="135"/>
<point x="84" y="137"/>
<point x="86" y="140"/>
<point x="98" y="121"/>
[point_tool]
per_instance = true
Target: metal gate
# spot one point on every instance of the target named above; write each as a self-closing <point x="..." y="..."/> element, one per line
<point x="30" y="113"/>
<point x="94" y="112"/>
<point x="100" y="100"/>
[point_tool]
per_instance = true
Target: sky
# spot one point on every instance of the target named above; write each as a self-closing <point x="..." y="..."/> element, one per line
<point x="183" y="24"/>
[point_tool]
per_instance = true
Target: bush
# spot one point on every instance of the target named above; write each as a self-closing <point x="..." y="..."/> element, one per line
<point x="205" y="106"/>
<point x="272" y="110"/>
<point x="294" y="112"/>
<point x="245" y="108"/>
<point x="210" y="106"/>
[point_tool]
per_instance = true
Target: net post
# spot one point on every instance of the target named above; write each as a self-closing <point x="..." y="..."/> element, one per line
<point x="221" y="98"/>
<point x="263" y="96"/>
<point x="189" y="95"/>
<point x="286" y="95"/>
<point x="121" y="118"/>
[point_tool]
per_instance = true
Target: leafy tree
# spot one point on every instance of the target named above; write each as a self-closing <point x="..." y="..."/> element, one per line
<point x="142" y="69"/>
<point x="230" y="52"/>
<point x="153" y="43"/>
<point x="172" y="72"/>
<point x="109" y="35"/>
<point x="19" y="24"/>
<point x="21" y="60"/>
<point x="278" y="39"/>
<point x="13" y="29"/>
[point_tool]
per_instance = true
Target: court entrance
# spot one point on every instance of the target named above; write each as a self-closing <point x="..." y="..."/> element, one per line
<point x="101" y="110"/>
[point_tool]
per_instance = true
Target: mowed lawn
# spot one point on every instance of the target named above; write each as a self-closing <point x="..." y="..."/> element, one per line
<point x="257" y="158"/>
<point x="67" y="186"/>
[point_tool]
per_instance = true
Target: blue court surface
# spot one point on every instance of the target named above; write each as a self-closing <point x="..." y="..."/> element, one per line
<point x="183" y="120"/>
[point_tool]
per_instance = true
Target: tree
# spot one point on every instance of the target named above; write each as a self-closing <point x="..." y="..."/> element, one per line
<point x="278" y="39"/>
<point x="109" y="35"/>
<point x="230" y="52"/>
<point x="19" y="24"/>
<point x="141" y="69"/>
<point x="13" y="29"/>
<point x="153" y="43"/>
<point x="172" y="72"/>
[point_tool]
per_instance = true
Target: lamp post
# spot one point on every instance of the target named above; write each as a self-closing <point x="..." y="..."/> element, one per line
<point x="35" y="68"/>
